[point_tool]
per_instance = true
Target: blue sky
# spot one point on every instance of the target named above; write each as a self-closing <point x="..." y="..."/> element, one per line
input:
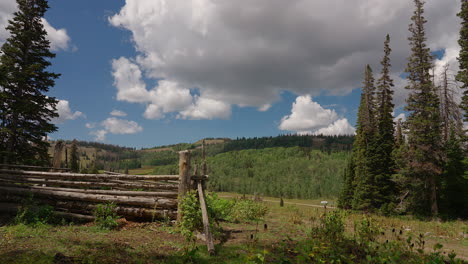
<point x="231" y="70"/>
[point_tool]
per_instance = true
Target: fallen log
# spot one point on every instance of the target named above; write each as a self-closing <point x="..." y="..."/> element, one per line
<point x="32" y="167"/>
<point x="93" y="176"/>
<point x="154" y="186"/>
<point x="109" y="192"/>
<point x="127" y="212"/>
<point x="74" y="216"/>
<point x="12" y="208"/>
<point x="97" y="198"/>
<point x="11" y="204"/>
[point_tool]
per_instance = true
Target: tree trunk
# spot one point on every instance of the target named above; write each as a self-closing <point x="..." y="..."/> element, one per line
<point x="97" y="198"/>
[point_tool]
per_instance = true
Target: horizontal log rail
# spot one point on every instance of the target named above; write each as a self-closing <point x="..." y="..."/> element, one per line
<point x="97" y="198"/>
<point x="138" y="197"/>
<point x="32" y="167"/>
<point x="154" y="186"/>
<point x="94" y="176"/>
<point x="92" y="191"/>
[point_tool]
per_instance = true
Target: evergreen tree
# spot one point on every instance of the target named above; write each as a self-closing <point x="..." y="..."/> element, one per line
<point x="462" y="75"/>
<point x="347" y="192"/>
<point x="424" y="124"/>
<point x="26" y="112"/>
<point x="74" y="159"/>
<point x="382" y="166"/>
<point x="399" y="138"/>
<point x="400" y="164"/>
<point x="364" y="190"/>
<point x="454" y="184"/>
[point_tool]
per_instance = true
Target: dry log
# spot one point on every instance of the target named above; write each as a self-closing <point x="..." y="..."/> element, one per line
<point x="109" y="192"/>
<point x="154" y="186"/>
<point x="113" y="173"/>
<point x="128" y="212"/>
<point x="74" y="216"/>
<point x="206" y="222"/>
<point x="97" y="198"/>
<point x="12" y="208"/>
<point x="12" y="203"/>
<point x="43" y="174"/>
<point x="31" y="167"/>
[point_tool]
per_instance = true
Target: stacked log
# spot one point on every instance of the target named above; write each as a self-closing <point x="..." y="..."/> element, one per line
<point x="137" y="197"/>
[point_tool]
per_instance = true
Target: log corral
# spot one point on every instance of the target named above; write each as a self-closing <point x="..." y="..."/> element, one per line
<point x="137" y="197"/>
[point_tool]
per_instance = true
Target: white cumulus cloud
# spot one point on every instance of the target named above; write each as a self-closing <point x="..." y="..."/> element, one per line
<point x="65" y="113"/>
<point x="206" y="108"/>
<point x="121" y="126"/>
<point x="339" y="127"/>
<point x="246" y="54"/>
<point x="100" y="135"/>
<point x="115" y="126"/>
<point x="166" y="97"/>
<point x="118" y="113"/>
<point x="59" y="39"/>
<point x="307" y="115"/>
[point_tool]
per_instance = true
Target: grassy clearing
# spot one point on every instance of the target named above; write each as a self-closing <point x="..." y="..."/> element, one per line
<point x="283" y="236"/>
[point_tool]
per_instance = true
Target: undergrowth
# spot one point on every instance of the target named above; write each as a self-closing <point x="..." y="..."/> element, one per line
<point x="105" y="216"/>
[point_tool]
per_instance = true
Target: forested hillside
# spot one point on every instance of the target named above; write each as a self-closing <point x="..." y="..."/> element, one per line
<point x="289" y="172"/>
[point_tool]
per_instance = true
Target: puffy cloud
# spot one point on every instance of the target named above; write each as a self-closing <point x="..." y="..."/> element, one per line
<point x="116" y="126"/>
<point x="166" y="97"/>
<point x="121" y="126"/>
<point x="90" y="125"/>
<point x="246" y="54"/>
<point x="100" y="135"/>
<point x="339" y="127"/>
<point x="65" y="113"/>
<point x="59" y="39"/>
<point x="118" y="113"/>
<point x="206" y="108"/>
<point x="307" y="115"/>
<point x="128" y="81"/>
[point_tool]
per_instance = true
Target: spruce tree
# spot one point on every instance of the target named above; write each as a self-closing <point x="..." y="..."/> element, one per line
<point x="364" y="190"/>
<point x="454" y="187"/>
<point x="382" y="165"/>
<point x="424" y="124"/>
<point x="347" y="192"/>
<point x="462" y="75"/>
<point x="26" y="112"/>
<point x="74" y="159"/>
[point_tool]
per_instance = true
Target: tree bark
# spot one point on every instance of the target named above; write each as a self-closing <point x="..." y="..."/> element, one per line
<point x="97" y="198"/>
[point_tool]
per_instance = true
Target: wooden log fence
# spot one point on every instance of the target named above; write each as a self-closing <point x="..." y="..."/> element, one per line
<point x="75" y="195"/>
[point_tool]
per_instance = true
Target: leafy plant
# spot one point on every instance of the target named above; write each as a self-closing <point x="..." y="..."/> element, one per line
<point x="31" y="212"/>
<point x="244" y="210"/>
<point x="105" y="216"/>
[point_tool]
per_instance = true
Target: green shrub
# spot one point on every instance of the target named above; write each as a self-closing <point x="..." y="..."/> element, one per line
<point x="31" y="212"/>
<point x="240" y="210"/>
<point x="244" y="210"/>
<point x="105" y="216"/>
<point x="332" y="225"/>
<point x="366" y="229"/>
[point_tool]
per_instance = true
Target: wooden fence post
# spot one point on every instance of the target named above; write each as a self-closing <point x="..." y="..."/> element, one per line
<point x="184" y="178"/>
<point x="205" y="219"/>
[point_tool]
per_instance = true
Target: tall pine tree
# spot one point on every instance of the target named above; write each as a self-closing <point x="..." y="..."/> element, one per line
<point x="382" y="166"/>
<point x="462" y="75"/>
<point x="26" y="112"/>
<point x="74" y="159"/>
<point x="364" y="190"/>
<point x="424" y="124"/>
